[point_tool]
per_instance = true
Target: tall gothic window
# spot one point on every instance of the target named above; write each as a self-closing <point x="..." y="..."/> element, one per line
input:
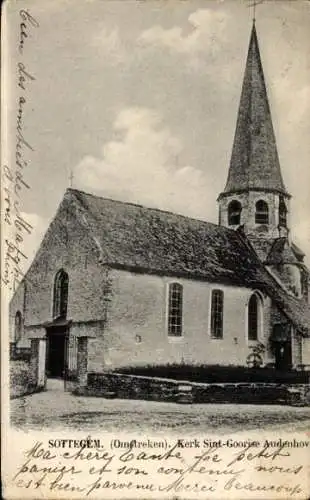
<point x="234" y="213"/>
<point x="253" y="317"/>
<point x="282" y="212"/>
<point x="60" y="303"/>
<point x="217" y="309"/>
<point x="175" y="309"/>
<point x="261" y="212"/>
<point x="18" y="326"/>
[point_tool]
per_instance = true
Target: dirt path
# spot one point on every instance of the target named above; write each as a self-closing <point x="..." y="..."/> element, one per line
<point x="58" y="409"/>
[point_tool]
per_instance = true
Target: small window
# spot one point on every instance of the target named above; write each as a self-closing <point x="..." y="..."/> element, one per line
<point x="217" y="305"/>
<point x="234" y="213"/>
<point x="175" y="309"/>
<point x="18" y="326"/>
<point x="261" y="212"/>
<point x="282" y="213"/>
<point x="60" y="303"/>
<point x="253" y="318"/>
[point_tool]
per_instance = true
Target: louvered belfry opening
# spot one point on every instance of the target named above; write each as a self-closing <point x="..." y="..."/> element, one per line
<point x="234" y="213"/>
<point x="261" y="212"/>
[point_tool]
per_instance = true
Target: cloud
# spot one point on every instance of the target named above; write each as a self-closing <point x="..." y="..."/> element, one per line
<point x="111" y="46"/>
<point x="143" y="167"/>
<point x="299" y="106"/>
<point x="208" y="31"/>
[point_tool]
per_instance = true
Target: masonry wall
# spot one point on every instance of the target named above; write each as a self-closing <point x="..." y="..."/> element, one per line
<point x="136" y="329"/>
<point x="68" y="245"/>
<point x="248" y="201"/>
<point x="297" y="354"/>
<point x="306" y="352"/>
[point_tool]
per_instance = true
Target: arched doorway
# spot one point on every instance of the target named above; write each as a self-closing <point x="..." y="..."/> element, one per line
<point x="57" y="353"/>
<point x="57" y="341"/>
<point x="281" y="345"/>
<point x="57" y="331"/>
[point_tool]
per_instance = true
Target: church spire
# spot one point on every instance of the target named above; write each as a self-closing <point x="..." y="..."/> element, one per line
<point x="254" y="161"/>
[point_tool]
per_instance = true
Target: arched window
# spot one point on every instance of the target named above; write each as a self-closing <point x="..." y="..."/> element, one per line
<point x="175" y="309"/>
<point x="234" y="213"/>
<point x="261" y="212"/>
<point x="18" y="326"/>
<point x="60" y="303"/>
<point x="217" y="310"/>
<point x="282" y="212"/>
<point x="253" y="317"/>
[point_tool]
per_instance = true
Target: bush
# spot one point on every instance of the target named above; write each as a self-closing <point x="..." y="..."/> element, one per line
<point x="217" y="373"/>
<point x="19" y="378"/>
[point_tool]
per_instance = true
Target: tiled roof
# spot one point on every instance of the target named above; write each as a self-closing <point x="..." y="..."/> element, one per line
<point x="281" y="253"/>
<point x="262" y="246"/>
<point x="153" y="241"/>
<point x="298" y="252"/>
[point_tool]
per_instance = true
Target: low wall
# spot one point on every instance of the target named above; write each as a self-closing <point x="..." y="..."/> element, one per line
<point x="21" y="380"/>
<point x="19" y="353"/>
<point x="116" y="385"/>
<point x="219" y="374"/>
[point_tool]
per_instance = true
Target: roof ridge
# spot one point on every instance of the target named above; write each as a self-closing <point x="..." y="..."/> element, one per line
<point x="150" y="208"/>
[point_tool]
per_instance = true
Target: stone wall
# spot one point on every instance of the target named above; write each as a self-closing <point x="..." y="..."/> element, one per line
<point x="248" y="201"/>
<point x="82" y="356"/>
<point x="114" y="385"/>
<point x="20" y="379"/>
<point x="306" y="352"/>
<point x="26" y="376"/>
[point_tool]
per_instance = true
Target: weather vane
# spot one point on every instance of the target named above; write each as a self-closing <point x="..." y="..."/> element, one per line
<point x="253" y="4"/>
<point x="71" y="179"/>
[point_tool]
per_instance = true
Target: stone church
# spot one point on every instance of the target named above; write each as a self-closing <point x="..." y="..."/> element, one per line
<point x="116" y="284"/>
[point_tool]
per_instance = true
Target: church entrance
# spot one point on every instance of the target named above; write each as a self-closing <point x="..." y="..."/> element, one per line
<point x="282" y="346"/>
<point x="57" y="347"/>
<point x="283" y="355"/>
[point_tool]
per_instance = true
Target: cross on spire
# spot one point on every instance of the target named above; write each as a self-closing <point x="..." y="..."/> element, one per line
<point x="71" y="179"/>
<point x="254" y="4"/>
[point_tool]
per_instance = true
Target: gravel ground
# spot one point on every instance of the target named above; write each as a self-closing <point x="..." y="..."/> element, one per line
<point x="57" y="409"/>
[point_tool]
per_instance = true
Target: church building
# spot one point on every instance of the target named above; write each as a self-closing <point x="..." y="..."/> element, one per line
<point x="118" y="284"/>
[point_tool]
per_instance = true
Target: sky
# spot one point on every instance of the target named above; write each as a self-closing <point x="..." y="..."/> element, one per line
<point x="138" y="100"/>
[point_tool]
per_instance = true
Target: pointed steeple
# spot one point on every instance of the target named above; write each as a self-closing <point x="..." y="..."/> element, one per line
<point x="254" y="161"/>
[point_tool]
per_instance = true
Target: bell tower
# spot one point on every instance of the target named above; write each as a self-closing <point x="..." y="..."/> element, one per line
<point x="255" y="196"/>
